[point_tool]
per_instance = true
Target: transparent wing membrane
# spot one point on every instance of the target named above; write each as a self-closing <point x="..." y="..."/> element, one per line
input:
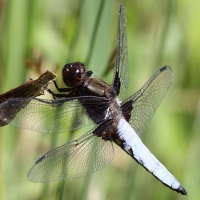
<point x="120" y="78"/>
<point x="53" y="116"/>
<point x="145" y="102"/>
<point x="78" y="158"/>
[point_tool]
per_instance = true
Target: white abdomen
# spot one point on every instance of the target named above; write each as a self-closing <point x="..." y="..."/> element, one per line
<point x="134" y="147"/>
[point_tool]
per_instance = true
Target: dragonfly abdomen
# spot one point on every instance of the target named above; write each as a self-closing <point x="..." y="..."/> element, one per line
<point x="131" y="143"/>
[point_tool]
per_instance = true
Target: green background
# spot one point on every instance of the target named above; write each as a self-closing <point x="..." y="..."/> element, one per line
<point x="159" y="33"/>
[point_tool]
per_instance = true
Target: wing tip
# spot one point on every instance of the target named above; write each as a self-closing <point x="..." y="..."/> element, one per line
<point x="164" y="68"/>
<point x="39" y="160"/>
<point x="121" y="7"/>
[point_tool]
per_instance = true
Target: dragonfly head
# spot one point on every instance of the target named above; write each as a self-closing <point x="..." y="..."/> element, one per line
<point x="72" y="73"/>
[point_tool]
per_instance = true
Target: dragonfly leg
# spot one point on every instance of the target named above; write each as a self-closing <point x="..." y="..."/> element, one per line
<point x="62" y="89"/>
<point x="67" y="90"/>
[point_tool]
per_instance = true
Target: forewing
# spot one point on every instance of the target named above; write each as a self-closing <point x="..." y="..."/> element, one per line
<point x="141" y="106"/>
<point x="75" y="159"/>
<point x="52" y="116"/>
<point x="120" y="78"/>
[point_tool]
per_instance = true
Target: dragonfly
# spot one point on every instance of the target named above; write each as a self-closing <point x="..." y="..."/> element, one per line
<point x="87" y="100"/>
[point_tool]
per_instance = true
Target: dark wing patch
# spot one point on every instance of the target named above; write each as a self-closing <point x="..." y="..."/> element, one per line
<point x="53" y="116"/>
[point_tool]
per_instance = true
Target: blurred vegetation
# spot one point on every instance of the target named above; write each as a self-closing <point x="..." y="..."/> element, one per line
<point x="159" y="33"/>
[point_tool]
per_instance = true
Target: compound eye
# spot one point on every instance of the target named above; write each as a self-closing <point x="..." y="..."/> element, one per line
<point x="72" y="73"/>
<point x="67" y="67"/>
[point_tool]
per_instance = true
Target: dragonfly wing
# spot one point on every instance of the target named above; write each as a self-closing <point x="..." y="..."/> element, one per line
<point x="139" y="109"/>
<point x="75" y="159"/>
<point x="52" y="116"/>
<point x="120" y="78"/>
